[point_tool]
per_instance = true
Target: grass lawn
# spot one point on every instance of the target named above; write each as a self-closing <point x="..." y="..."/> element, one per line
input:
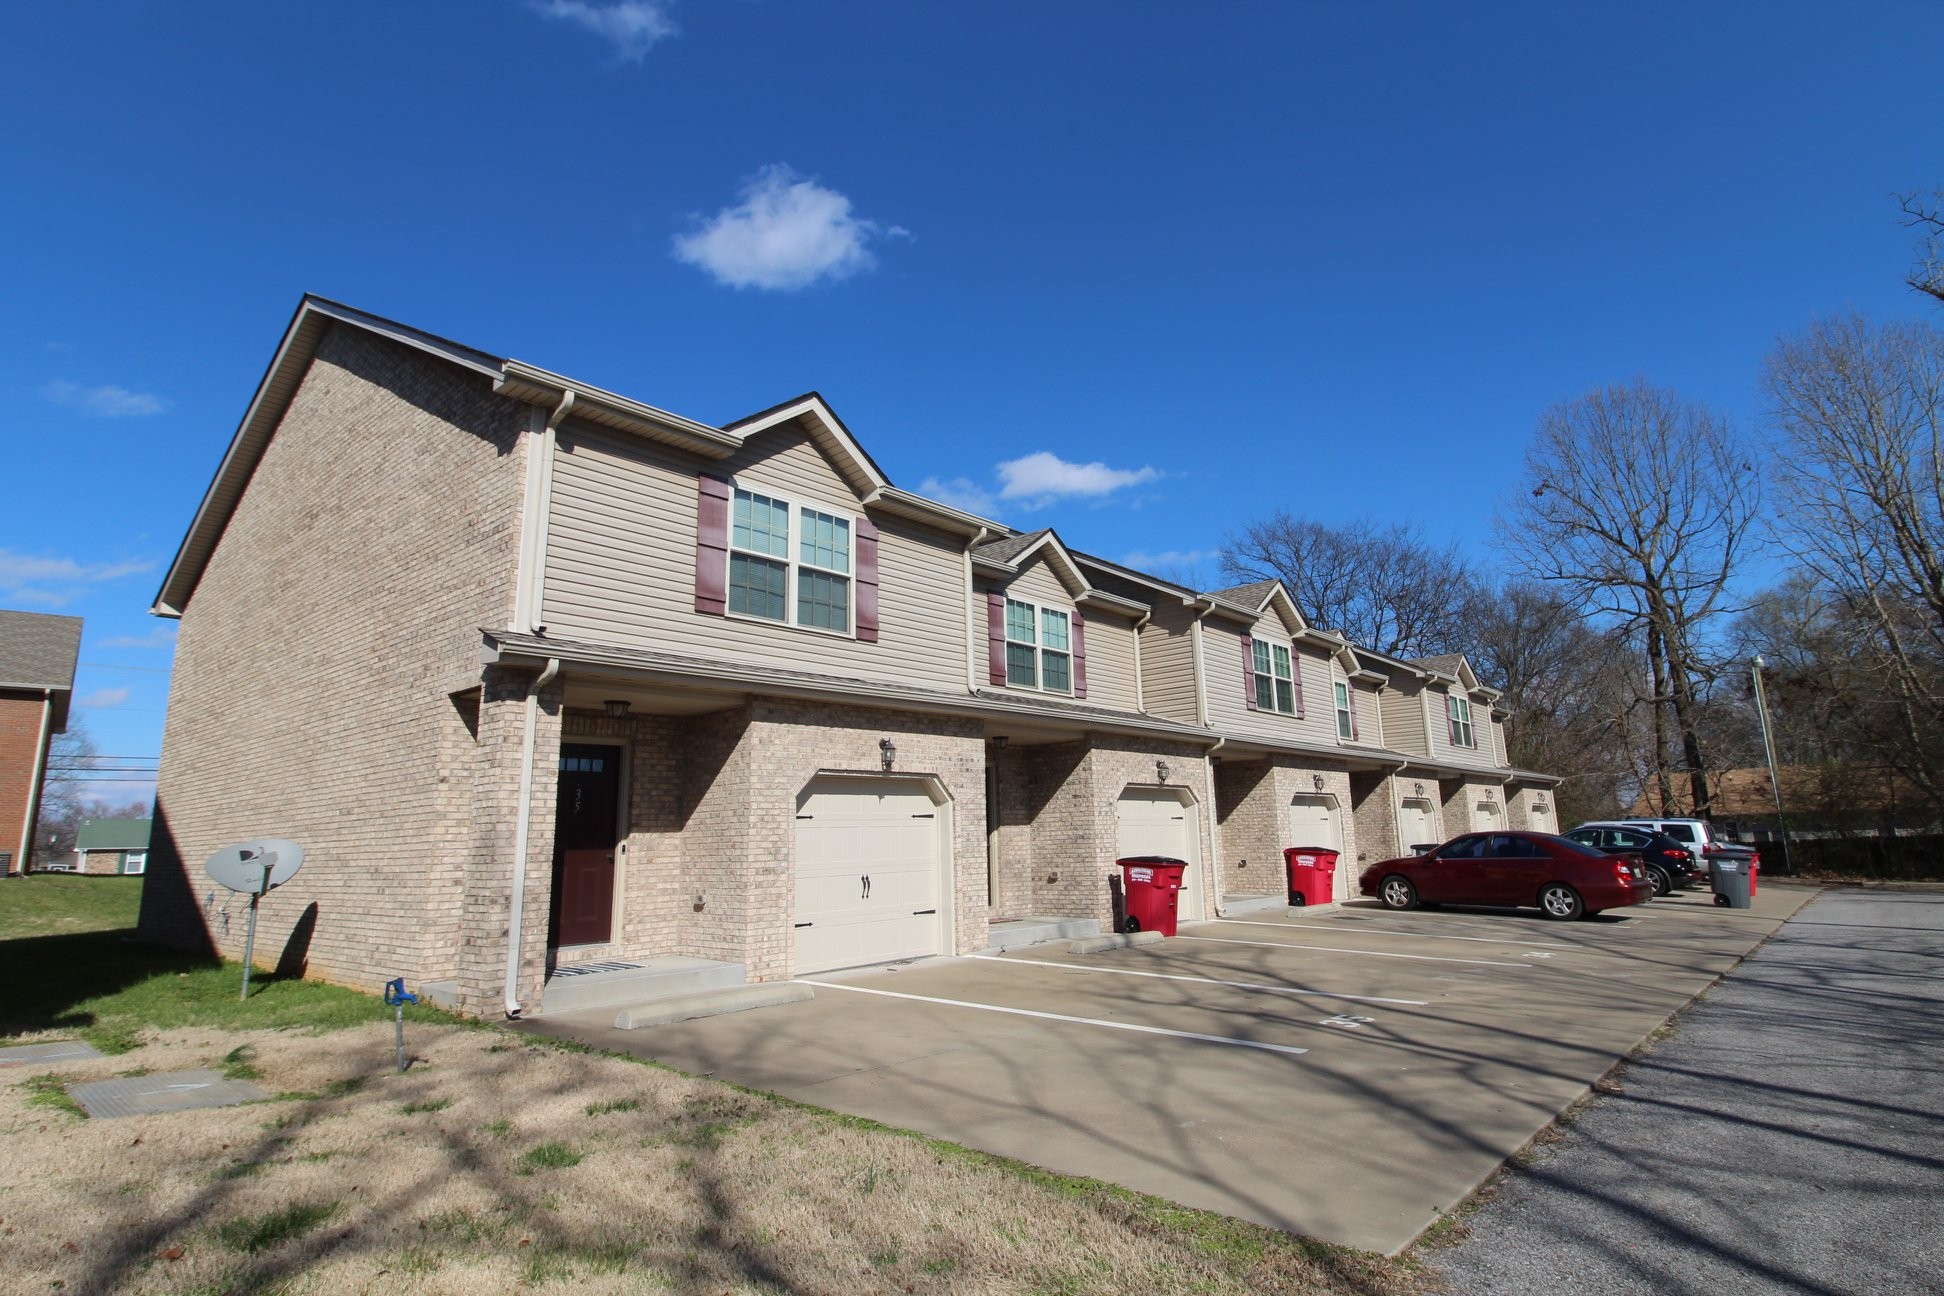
<point x="500" y="1162"/>
<point x="62" y="904"/>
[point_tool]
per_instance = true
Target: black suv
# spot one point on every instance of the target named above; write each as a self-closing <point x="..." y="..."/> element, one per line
<point x="1669" y="863"/>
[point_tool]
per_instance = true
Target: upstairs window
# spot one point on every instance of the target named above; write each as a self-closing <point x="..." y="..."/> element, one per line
<point x="1346" y="727"/>
<point x="1275" y="687"/>
<point x="789" y="563"/>
<point x="1458" y="712"/>
<point x="1039" y="647"/>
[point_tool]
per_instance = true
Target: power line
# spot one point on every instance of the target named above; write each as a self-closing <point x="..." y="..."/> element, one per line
<point x="156" y="670"/>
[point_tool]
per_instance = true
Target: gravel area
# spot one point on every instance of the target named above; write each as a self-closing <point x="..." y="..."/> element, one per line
<point x="1789" y="1137"/>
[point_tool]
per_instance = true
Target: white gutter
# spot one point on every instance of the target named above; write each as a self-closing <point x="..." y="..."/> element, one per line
<point x="971" y="617"/>
<point x="516" y="908"/>
<point x="34" y="784"/>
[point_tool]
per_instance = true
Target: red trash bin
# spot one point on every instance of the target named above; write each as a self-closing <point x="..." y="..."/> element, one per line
<point x="1151" y="888"/>
<point x="1312" y="874"/>
<point x="1754" y="872"/>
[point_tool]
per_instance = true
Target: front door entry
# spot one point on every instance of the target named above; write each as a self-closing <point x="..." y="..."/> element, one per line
<point x="585" y="834"/>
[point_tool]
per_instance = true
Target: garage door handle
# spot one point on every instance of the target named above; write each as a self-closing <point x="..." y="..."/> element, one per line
<point x="806" y="924"/>
<point x="866" y="880"/>
<point x="919" y="912"/>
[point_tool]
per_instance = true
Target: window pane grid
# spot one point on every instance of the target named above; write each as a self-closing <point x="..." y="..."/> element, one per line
<point x="762" y="525"/>
<point x="826" y="541"/>
<point x="1019" y="622"/>
<point x="1056" y="674"/>
<point x="757" y="586"/>
<point x="823" y="600"/>
<point x="1022" y="665"/>
<point x="1053" y="629"/>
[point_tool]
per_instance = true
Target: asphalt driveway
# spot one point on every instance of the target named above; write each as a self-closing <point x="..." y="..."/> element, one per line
<point x="1788" y="1139"/>
<point x="1348" y="1074"/>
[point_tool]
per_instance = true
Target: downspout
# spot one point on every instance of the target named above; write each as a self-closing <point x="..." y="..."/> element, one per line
<point x="971" y="626"/>
<point x="1201" y="671"/>
<point x="1214" y="825"/>
<point x="1140" y="690"/>
<point x="34" y="785"/>
<point x="517" y="906"/>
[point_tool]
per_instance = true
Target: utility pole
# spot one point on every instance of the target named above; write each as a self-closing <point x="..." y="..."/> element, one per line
<point x="1775" y="775"/>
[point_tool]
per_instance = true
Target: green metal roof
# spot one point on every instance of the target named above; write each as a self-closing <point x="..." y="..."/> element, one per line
<point x="113" y="834"/>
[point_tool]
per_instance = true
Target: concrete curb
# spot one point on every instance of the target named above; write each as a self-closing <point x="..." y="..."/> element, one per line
<point x="711" y="1003"/>
<point x="1095" y="944"/>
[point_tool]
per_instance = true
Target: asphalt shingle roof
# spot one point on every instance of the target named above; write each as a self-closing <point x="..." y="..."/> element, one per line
<point x="1009" y="548"/>
<point x="1446" y="664"/>
<point x="38" y="650"/>
<point x="1250" y="595"/>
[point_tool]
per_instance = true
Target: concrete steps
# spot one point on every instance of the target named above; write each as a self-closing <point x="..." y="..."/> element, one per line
<point x="1037" y="931"/>
<point x="625" y="984"/>
<point x="710" y="1003"/>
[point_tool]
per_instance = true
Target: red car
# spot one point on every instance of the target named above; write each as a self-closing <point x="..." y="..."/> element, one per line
<point x="1563" y="878"/>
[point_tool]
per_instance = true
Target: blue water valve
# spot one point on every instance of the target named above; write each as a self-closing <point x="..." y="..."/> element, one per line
<point x="395" y="995"/>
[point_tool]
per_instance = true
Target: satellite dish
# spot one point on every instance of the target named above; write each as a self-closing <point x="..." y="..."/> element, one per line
<point x="255" y="867"/>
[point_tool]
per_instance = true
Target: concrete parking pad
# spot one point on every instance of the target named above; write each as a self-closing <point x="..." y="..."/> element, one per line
<point x="1391" y="1113"/>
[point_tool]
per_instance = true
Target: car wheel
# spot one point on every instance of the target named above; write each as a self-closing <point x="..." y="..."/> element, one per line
<point x="1130" y="924"/>
<point x="1398" y="893"/>
<point x="1561" y="902"/>
<point x="1663" y="883"/>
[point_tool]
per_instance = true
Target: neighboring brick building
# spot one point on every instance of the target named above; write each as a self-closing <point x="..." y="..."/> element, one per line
<point x="547" y="680"/>
<point x="37" y="656"/>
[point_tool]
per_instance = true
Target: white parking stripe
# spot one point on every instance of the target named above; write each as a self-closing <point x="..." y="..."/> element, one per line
<point x="1060" y="1017"/>
<point x="1331" y="949"/>
<point x="1356" y="925"/>
<point x="1171" y="976"/>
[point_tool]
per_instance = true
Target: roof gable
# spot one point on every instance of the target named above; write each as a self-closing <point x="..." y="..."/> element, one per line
<point x="112" y="834"/>
<point x="826" y="430"/>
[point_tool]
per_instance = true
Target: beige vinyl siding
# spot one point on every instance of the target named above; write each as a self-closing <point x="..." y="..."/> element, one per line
<point x="1110" y="661"/>
<point x="1442" y="748"/>
<point x="1370" y="720"/>
<point x="1037" y="583"/>
<point x="1404" y="719"/>
<point x="1228" y="707"/>
<point x="1168" y="663"/>
<point x="621" y="562"/>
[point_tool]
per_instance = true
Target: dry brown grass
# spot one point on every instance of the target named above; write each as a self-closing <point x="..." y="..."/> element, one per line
<point x="521" y="1165"/>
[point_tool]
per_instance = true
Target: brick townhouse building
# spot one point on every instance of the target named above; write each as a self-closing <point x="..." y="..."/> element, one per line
<point x="37" y="658"/>
<point x="551" y="683"/>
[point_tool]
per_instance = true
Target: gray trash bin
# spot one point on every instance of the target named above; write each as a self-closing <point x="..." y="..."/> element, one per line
<point x="1730" y="880"/>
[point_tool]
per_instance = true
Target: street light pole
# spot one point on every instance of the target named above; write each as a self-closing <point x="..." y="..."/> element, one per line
<point x="1775" y="775"/>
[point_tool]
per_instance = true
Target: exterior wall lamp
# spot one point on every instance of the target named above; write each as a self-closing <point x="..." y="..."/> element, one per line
<point x="887" y="752"/>
<point x="1160" y="771"/>
<point x="616" y="708"/>
<point x="1316" y="781"/>
<point x="1417" y="789"/>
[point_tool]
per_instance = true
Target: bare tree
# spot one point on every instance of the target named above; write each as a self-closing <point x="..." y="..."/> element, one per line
<point x="1569" y="696"/>
<point x="1926" y="215"/>
<point x="1861" y="410"/>
<point x="1381" y="585"/>
<point x="62" y="804"/>
<point x="1641" y="508"/>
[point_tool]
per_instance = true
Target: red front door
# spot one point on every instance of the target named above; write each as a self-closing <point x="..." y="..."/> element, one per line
<point x="585" y="832"/>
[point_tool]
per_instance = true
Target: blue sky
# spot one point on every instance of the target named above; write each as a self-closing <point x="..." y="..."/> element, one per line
<point x="1141" y="272"/>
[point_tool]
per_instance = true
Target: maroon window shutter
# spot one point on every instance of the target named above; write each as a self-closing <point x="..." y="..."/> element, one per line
<point x="1079" y="654"/>
<point x="996" y="637"/>
<point x="711" y="545"/>
<point x="867" y="581"/>
<point x="1248" y="671"/>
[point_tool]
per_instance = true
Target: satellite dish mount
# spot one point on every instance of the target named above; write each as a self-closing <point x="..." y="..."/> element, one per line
<point x="254" y="868"/>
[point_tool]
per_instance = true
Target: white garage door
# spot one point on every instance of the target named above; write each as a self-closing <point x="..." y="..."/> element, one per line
<point x="1154" y="821"/>
<point x="1417" y="825"/>
<point x="869" y="869"/>
<point x="1486" y="817"/>
<point x="1313" y="822"/>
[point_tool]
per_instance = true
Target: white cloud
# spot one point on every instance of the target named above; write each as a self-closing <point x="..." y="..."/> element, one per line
<point x="788" y="232"/>
<point x="56" y="582"/>
<point x="163" y="636"/>
<point x="633" y="27"/>
<point x="104" y="697"/>
<point x="104" y="402"/>
<point x="959" y="493"/>
<point x="1040" y="478"/>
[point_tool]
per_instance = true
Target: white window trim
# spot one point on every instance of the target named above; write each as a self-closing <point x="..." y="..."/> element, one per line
<point x="1454" y="705"/>
<point x="793" y="547"/>
<point x="139" y="859"/>
<point x="1295" y="665"/>
<point x="1345" y="712"/>
<point x="1039" y="649"/>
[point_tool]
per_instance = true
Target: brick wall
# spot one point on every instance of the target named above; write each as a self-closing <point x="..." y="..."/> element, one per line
<point x="1373" y="808"/>
<point x="312" y="689"/>
<point x="1245" y="800"/>
<point x="20" y="722"/>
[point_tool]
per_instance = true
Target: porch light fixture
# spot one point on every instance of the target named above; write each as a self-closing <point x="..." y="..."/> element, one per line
<point x="1160" y="771"/>
<point x="1417" y="789"/>
<point x="616" y="708"/>
<point x="887" y="752"/>
<point x="1316" y="781"/>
